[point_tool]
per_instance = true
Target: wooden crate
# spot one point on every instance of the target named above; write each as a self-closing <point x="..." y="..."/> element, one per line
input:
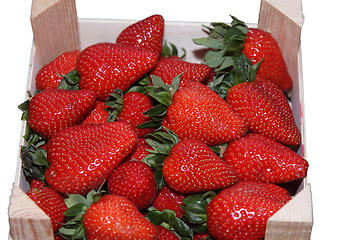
<point x="283" y="18"/>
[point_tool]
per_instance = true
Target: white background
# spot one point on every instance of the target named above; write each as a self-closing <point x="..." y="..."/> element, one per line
<point x="330" y="44"/>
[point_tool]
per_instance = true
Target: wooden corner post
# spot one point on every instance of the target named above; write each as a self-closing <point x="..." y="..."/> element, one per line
<point x="55" y="28"/>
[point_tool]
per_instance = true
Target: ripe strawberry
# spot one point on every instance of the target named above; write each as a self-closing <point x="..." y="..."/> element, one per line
<point x="147" y="33"/>
<point x="97" y="115"/>
<point x="51" y="74"/>
<point x="55" y="109"/>
<point x="139" y="151"/>
<point x="135" y="181"/>
<point x="259" y="158"/>
<point x="261" y="45"/>
<point x="115" y="217"/>
<point x="168" y="68"/>
<point x="104" y="67"/>
<point x="82" y="157"/>
<point x="193" y="167"/>
<point x="169" y="199"/>
<point x="51" y="202"/>
<point x="165" y="234"/>
<point x="35" y="183"/>
<point x="202" y="236"/>
<point x="198" y="112"/>
<point x="265" y="109"/>
<point x="132" y="112"/>
<point x="241" y="211"/>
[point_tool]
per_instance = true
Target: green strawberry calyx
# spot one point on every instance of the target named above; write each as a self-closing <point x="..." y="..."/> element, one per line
<point x="77" y="207"/>
<point x="161" y="143"/>
<point x="192" y="222"/>
<point x="231" y="66"/>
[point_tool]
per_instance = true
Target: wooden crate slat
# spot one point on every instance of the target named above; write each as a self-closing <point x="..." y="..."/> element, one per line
<point x="27" y="220"/>
<point x="284" y="20"/>
<point x="55" y="28"/>
<point x="293" y="221"/>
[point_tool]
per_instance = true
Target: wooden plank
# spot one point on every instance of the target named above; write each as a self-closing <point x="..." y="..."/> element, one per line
<point x="284" y="20"/>
<point x="293" y="221"/>
<point x="55" y="28"/>
<point x="27" y="220"/>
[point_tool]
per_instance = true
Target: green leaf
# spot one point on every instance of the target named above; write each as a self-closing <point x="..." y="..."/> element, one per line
<point x="70" y="81"/>
<point x="214" y="58"/>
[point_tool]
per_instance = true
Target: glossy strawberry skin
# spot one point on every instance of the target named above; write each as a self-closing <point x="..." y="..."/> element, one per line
<point x="168" y="68"/>
<point x="55" y="109"/>
<point x="134" y="106"/>
<point x="115" y="217"/>
<point x="259" y="158"/>
<point x="97" y="115"/>
<point x="189" y="115"/>
<point x="241" y="211"/>
<point x="147" y="33"/>
<point x="261" y="45"/>
<point x="265" y="109"/>
<point x="104" y="67"/>
<point x="82" y="157"/>
<point x="165" y="234"/>
<point x="50" y="75"/>
<point x="51" y="202"/>
<point x="135" y="181"/>
<point x="192" y="167"/>
<point x="139" y="151"/>
<point x="169" y="199"/>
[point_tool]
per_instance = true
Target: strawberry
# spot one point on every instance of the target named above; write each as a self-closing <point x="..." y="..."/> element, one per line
<point x="259" y="158"/>
<point x="168" y="68"/>
<point x="169" y="199"/>
<point x="98" y="114"/>
<point x="193" y="167"/>
<point x="82" y="157"/>
<point x="104" y="67"/>
<point x="35" y="183"/>
<point x="202" y="236"/>
<point x="241" y="211"/>
<point x="265" y="109"/>
<point x="51" y="202"/>
<point x="198" y="112"/>
<point x="115" y="217"/>
<point x="50" y="75"/>
<point x="260" y="45"/>
<point x="140" y="150"/>
<point x="134" y="180"/>
<point x="55" y="109"/>
<point x="147" y="33"/>
<point x="165" y="234"/>
<point x="132" y="112"/>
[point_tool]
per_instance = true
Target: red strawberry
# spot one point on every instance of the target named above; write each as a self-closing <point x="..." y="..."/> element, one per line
<point x="35" y="183"/>
<point x="140" y="151"/>
<point x="198" y="112"/>
<point x="165" y="234"/>
<point x="134" y="180"/>
<point x="55" y="109"/>
<point x="168" y="68"/>
<point x="147" y="33"/>
<point x="51" y="203"/>
<point x="257" y="157"/>
<point x="193" y="167"/>
<point x="261" y="45"/>
<point x="115" y="217"/>
<point x="241" y="211"/>
<point x="169" y="199"/>
<point x="134" y="106"/>
<point x="202" y="236"/>
<point x="82" y="157"/>
<point x="104" y="67"/>
<point x="97" y="115"/>
<point x="265" y="109"/>
<point x="50" y="75"/>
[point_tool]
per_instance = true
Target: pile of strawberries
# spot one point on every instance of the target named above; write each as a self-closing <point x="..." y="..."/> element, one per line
<point x="127" y="140"/>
